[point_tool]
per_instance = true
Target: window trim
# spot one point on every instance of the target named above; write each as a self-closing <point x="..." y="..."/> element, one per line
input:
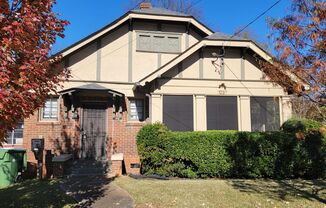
<point x="165" y="35"/>
<point x="236" y="110"/>
<point x="129" y="108"/>
<point x="279" y="111"/>
<point x="193" y="111"/>
<point x="41" y="119"/>
<point x="13" y="138"/>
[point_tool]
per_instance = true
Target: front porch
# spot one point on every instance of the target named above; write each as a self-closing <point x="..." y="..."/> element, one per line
<point x="90" y="105"/>
<point x="92" y="124"/>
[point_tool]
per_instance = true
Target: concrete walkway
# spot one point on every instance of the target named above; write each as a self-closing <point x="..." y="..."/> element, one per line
<point x="96" y="191"/>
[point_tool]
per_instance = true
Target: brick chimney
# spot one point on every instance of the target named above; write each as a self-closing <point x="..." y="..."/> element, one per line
<point x="145" y="5"/>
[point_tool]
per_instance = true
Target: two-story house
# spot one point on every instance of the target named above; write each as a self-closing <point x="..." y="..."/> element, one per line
<point x="149" y="65"/>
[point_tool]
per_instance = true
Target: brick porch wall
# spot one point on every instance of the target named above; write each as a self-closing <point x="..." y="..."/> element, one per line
<point x="63" y="136"/>
<point x="123" y="134"/>
<point x="59" y="137"/>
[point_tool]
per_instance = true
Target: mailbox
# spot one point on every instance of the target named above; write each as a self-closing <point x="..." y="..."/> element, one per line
<point x="37" y="148"/>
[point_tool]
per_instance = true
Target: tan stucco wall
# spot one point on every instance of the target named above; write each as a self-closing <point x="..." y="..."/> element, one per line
<point x="190" y="67"/>
<point x="83" y="63"/>
<point x="114" y="56"/>
<point x="232" y="65"/>
<point x="211" y="87"/>
<point x="155" y="109"/>
<point x="200" y="113"/>
<point x="144" y="63"/>
<point x="232" y="68"/>
<point x="244" y="113"/>
<point x="286" y="107"/>
<point x="252" y="70"/>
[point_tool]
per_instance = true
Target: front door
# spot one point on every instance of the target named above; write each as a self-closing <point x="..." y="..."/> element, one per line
<point x="94" y="134"/>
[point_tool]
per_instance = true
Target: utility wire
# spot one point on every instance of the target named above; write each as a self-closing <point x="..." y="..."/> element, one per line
<point x="254" y="20"/>
<point x="235" y="34"/>
<point x="252" y="95"/>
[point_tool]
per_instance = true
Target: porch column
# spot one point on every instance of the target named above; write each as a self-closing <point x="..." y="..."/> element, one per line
<point x="156" y="108"/>
<point x="200" y="123"/>
<point x="286" y="109"/>
<point x="244" y="113"/>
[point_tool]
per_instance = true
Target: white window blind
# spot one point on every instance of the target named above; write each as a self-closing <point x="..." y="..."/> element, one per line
<point x="50" y="109"/>
<point x="136" y="109"/>
<point x="16" y="135"/>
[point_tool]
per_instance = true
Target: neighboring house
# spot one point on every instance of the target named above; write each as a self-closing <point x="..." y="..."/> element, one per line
<point x="151" y="65"/>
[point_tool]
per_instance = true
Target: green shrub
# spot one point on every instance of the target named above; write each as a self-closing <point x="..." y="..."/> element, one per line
<point x="231" y="153"/>
<point x="151" y="141"/>
<point x="300" y="125"/>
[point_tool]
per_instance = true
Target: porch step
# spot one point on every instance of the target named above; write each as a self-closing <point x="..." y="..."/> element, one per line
<point x="89" y="168"/>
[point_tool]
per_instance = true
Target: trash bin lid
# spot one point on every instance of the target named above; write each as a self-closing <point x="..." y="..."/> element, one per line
<point x="3" y="151"/>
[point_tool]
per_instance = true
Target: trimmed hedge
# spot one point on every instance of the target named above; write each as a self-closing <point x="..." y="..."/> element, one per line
<point x="231" y="153"/>
<point x="300" y="125"/>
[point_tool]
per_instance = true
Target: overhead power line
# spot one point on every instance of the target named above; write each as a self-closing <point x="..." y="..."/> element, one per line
<point x="254" y="20"/>
<point x="235" y="34"/>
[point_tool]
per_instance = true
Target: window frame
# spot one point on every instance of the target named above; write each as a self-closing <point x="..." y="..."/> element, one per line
<point x="41" y="111"/>
<point x="165" y="36"/>
<point x="12" y="135"/>
<point x="256" y="99"/>
<point x="143" y="107"/>
<point x="166" y="115"/>
<point x="226" y="100"/>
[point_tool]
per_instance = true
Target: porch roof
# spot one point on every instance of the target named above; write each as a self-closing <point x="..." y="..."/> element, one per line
<point x="91" y="87"/>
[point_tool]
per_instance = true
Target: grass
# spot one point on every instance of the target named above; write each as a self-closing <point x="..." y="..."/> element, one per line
<point x="224" y="193"/>
<point x="35" y="193"/>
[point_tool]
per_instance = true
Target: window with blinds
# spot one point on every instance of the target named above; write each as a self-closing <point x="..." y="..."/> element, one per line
<point x="178" y="112"/>
<point x="16" y="135"/>
<point x="159" y="42"/>
<point x="50" y="110"/>
<point x="136" y="109"/>
<point x="265" y="113"/>
<point x="222" y="113"/>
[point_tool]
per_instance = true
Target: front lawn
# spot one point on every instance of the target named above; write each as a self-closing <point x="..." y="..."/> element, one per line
<point x="224" y="193"/>
<point x="35" y="193"/>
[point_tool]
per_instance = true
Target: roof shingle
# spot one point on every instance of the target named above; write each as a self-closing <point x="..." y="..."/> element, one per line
<point x="160" y="11"/>
<point x="223" y="36"/>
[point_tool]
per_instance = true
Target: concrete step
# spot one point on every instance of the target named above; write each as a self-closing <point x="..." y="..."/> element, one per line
<point x="89" y="168"/>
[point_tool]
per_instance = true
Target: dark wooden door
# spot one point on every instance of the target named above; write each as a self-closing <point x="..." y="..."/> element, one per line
<point x="94" y="134"/>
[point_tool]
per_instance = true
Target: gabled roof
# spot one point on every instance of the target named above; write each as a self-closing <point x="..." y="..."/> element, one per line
<point x="90" y="87"/>
<point x="224" y="36"/>
<point x="205" y="42"/>
<point x="160" y="11"/>
<point x="150" y="14"/>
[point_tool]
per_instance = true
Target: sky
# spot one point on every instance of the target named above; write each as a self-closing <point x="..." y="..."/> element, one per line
<point x="88" y="16"/>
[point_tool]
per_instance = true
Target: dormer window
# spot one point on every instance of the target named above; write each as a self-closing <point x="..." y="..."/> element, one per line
<point x="159" y="42"/>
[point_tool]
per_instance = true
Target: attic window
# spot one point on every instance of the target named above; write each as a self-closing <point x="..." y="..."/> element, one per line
<point x="159" y="42"/>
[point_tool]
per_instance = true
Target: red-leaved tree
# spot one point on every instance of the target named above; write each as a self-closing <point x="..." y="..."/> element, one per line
<point x="28" y="29"/>
<point x="300" y="43"/>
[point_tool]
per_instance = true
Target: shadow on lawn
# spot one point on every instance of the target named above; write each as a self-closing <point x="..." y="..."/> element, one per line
<point x="86" y="189"/>
<point x="283" y="189"/>
<point x="34" y="193"/>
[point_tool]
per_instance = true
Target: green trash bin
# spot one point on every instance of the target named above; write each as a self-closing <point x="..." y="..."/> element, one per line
<point x="12" y="164"/>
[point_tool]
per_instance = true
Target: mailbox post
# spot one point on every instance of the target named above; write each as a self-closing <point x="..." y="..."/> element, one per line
<point x="37" y="148"/>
